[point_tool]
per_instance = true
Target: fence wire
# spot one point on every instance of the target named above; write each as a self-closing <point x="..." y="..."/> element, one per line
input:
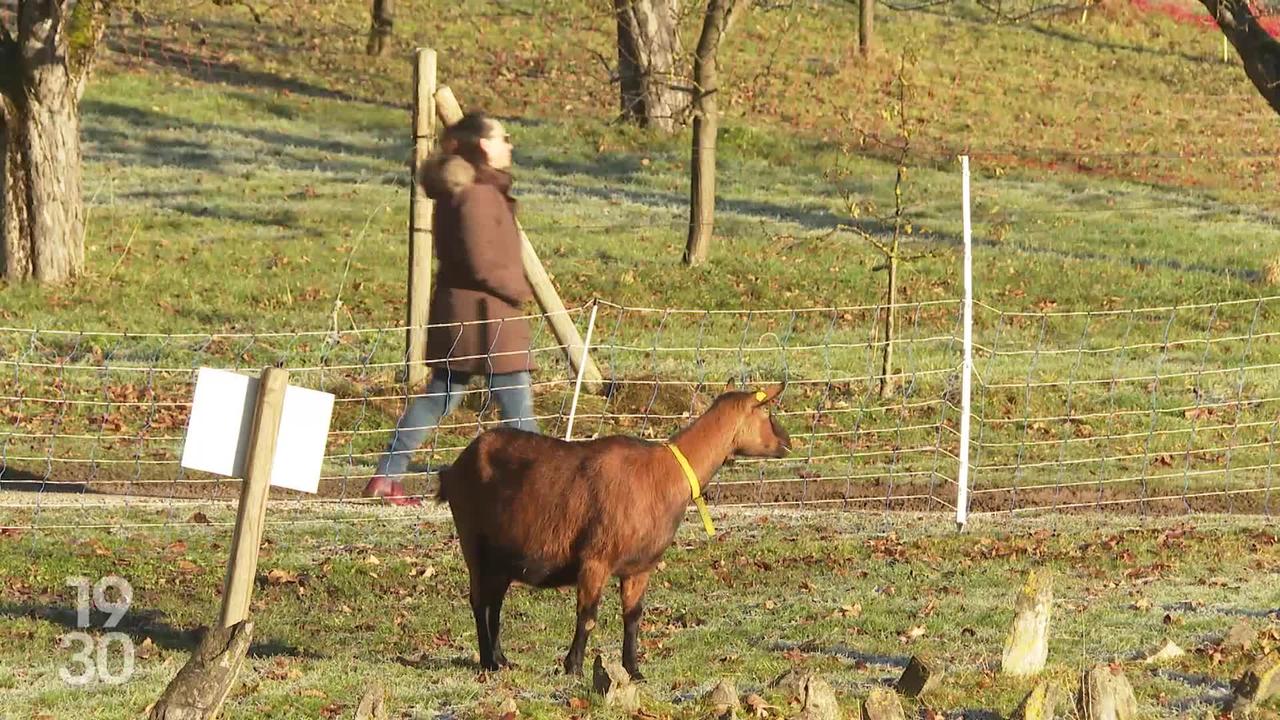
<point x="1162" y="409"/>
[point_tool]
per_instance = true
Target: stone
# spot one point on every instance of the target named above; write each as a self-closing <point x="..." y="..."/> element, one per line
<point x="373" y="706"/>
<point x="920" y="676"/>
<point x="819" y="701"/>
<point x="723" y="700"/>
<point x="1105" y="694"/>
<point x="1166" y="652"/>
<point x="812" y="693"/>
<point x="611" y="680"/>
<point x="1259" y="683"/>
<point x="882" y="704"/>
<point x="1026" y="650"/>
<point x="1039" y="704"/>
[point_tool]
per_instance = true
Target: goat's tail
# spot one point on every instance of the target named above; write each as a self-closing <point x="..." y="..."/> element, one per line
<point x="443" y="476"/>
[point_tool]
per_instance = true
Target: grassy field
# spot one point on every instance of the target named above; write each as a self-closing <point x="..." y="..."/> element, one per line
<point x="348" y="598"/>
<point x="247" y="203"/>
<point x="247" y="178"/>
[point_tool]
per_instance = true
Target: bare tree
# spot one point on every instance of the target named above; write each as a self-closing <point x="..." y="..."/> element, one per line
<point x="648" y="49"/>
<point x="1259" y="51"/>
<point x="47" y="50"/>
<point x="381" y="24"/>
<point x="720" y="16"/>
<point x="892" y="251"/>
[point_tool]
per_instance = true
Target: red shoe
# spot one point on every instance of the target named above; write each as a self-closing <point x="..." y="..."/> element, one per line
<point x="390" y="490"/>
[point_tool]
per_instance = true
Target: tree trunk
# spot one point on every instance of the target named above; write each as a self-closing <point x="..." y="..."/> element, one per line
<point x="866" y="16"/>
<point x="380" y="27"/>
<point x="648" y="46"/>
<point x="702" y="191"/>
<point x="42" y="234"/>
<point x="1259" y="51"/>
<point x="43" y="69"/>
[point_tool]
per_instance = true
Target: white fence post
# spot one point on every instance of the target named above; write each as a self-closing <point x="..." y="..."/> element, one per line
<point x="582" y="365"/>
<point x="966" y="370"/>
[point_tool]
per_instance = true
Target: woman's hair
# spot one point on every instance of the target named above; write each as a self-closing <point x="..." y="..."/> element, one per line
<point x="463" y="137"/>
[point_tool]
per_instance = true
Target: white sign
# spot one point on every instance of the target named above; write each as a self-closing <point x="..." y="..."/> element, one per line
<point x="222" y="416"/>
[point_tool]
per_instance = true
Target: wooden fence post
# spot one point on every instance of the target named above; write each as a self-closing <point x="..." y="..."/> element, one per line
<point x="450" y="111"/>
<point x="199" y="689"/>
<point x="243" y="565"/>
<point x="420" y="208"/>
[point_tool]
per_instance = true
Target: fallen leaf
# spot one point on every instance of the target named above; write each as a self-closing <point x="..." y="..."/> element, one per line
<point x="198" y="517"/>
<point x="912" y="634"/>
<point x="848" y="611"/>
<point x="146" y="649"/>
<point x="757" y="706"/>
<point x="281" y="577"/>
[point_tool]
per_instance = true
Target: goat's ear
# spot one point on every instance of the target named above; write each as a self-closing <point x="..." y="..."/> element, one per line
<point x="769" y="394"/>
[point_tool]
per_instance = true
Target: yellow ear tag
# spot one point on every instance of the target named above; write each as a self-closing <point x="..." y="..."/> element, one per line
<point x="761" y="395"/>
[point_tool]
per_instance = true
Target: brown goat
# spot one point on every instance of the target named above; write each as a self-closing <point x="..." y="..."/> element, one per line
<point x="548" y="513"/>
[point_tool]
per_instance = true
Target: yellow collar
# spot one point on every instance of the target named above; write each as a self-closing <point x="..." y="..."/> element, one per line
<point x="693" y="485"/>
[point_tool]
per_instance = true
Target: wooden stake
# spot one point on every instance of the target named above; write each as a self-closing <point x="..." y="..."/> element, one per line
<point x="449" y="111"/>
<point x="243" y="564"/>
<point x="420" y="209"/>
<point x="199" y="689"/>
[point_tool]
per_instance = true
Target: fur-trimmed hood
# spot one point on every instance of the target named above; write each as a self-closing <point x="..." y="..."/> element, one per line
<point x="444" y="176"/>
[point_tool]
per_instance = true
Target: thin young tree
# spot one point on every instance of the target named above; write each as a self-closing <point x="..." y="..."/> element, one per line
<point x="891" y="250"/>
<point x="719" y="17"/>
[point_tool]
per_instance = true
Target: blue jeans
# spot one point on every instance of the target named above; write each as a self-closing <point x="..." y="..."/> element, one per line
<point x="512" y="391"/>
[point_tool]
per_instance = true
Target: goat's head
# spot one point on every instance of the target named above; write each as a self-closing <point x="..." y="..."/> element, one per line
<point x="758" y="434"/>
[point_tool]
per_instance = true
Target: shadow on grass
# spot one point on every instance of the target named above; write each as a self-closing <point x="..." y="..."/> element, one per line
<point x="134" y="48"/>
<point x="14" y="480"/>
<point x="142" y="625"/>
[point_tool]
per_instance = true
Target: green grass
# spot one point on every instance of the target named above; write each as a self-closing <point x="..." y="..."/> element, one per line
<point x="380" y="595"/>
<point x="253" y="183"/>
<point x="247" y="191"/>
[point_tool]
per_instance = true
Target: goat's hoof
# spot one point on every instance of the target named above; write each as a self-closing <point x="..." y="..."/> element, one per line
<point x="572" y="669"/>
<point x="635" y="673"/>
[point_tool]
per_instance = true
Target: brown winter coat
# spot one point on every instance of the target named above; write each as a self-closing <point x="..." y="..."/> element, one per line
<point x="480" y="284"/>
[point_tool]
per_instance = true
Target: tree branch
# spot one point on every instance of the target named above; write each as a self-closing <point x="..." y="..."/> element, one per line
<point x="1259" y="51"/>
<point x="257" y="16"/>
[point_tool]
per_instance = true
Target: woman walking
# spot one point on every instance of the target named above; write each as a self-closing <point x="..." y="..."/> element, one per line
<point x="477" y="321"/>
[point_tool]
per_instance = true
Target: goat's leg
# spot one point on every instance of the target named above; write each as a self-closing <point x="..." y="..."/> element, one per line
<point x="633" y="589"/>
<point x="480" y="609"/>
<point x="591" y="578"/>
<point x="497" y="587"/>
